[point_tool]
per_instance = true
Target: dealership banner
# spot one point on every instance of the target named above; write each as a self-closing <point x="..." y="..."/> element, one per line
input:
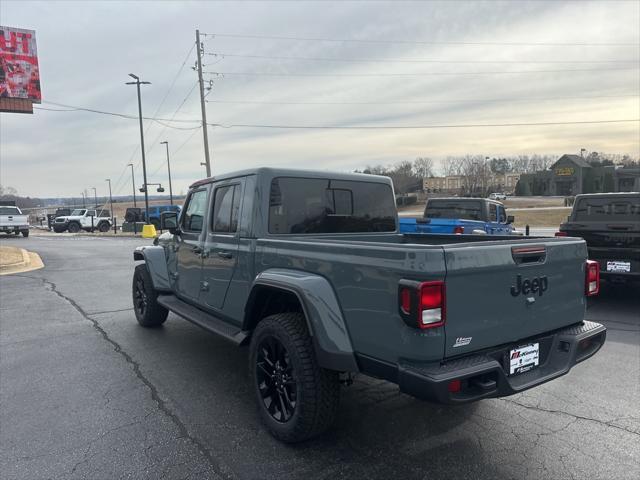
<point x="19" y="73"/>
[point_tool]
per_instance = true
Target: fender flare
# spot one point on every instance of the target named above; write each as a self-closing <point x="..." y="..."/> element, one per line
<point x="325" y="321"/>
<point x="156" y="261"/>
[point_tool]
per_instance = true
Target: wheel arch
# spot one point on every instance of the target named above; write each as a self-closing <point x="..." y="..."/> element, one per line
<point x="282" y="290"/>
<point x="155" y="259"/>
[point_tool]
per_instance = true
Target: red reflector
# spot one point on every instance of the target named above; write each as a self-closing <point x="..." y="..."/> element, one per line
<point x="592" y="278"/>
<point x="405" y="300"/>
<point x="458" y="230"/>
<point x="455" y="386"/>
<point x="561" y="234"/>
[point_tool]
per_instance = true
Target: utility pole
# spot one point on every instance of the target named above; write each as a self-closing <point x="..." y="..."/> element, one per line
<point x="95" y="196"/>
<point x="169" y="168"/>
<point x="137" y="83"/>
<point x="202" y="106"/>
<point x="84" y="205"/>
<point x="133" y="183"/>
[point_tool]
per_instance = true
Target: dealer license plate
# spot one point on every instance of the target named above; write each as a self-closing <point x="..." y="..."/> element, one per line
<point x="523" y="359"/>
<point x="618" y="266"/>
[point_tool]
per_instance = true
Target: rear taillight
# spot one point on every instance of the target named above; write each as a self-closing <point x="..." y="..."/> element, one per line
<point x="561" y="234"/>
<point x="422" y="304"/>
<point x="592" y="278"/>
<point x="458" y="230"/>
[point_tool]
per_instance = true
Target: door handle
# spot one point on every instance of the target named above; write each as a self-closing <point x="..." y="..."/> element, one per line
<point x="223" y="254"/>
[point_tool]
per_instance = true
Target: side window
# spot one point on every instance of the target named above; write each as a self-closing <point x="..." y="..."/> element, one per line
<point x="194" y="214"/>
<point x="502" y="215"/>
<point x="493" y="212"/>
<point x="226" y="206"/>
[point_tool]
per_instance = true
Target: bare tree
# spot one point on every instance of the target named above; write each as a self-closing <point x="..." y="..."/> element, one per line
<point x="452" y="166"/>
<point x="423" y="167"/>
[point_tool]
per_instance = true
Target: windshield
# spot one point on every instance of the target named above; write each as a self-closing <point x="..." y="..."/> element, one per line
<point x="316" y="205"/>
<point x="460" y="209"/>
<point x="9" y="211"/>
<point x="608" y="209"/>
<point x="78" y="213"/>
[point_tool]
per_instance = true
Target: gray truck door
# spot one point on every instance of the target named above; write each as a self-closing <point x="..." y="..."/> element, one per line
<point x="221" y="241"/>
<point x="189" y="245"/>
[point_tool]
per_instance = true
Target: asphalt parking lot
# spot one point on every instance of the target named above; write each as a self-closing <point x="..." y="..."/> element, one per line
<point x="87" y="393"/>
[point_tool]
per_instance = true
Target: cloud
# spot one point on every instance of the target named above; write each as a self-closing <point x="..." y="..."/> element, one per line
<point x="87" y="49"/>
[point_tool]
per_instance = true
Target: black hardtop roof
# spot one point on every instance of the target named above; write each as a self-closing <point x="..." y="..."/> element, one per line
<point x="292" y="172"/>
<point x="464" y="199"/>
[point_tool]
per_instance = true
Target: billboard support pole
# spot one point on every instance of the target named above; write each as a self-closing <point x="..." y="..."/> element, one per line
<point x="202" y="106"/>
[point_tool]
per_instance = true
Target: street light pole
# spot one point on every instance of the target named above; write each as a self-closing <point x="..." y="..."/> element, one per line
<point x="95" y="196"/>
<point x="166" y="144"/>
<point x="137" y="83"/>
<point x="84" y="199"/>
<point x="133" y="183"/>
<point x="110" y="198"/>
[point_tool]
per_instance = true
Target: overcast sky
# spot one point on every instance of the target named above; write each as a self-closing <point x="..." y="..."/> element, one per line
<point x="86" y="50"/>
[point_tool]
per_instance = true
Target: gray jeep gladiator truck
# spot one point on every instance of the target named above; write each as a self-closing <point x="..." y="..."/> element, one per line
<point x="610" y="224"/>
<point x="310" y="271"/>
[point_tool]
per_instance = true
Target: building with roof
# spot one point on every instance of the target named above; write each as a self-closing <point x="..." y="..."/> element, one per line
<point x="572" y="174"/>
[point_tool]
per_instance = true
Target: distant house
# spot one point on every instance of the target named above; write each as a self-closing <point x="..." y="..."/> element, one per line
<point x="572" y="175"/>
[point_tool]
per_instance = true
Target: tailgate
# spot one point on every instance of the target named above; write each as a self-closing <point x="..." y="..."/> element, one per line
<point x="503" y="292"/>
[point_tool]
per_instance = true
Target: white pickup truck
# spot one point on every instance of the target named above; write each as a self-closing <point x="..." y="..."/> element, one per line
<point x="83" y="219"/>
<point x="13" y="221"/>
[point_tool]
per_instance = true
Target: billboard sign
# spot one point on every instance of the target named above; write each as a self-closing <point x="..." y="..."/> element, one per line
<point x="19" y="73"/>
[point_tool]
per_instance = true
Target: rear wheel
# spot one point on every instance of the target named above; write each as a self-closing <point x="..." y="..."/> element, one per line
<point x="103" y="227"/>
<point x="297" y="399"/>
<point x="25" y="233"/>
<point x="149" y="312"/>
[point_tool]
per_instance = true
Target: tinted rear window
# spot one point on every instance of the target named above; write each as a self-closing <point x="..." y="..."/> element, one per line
<point x="9" y="211"/>
<point x="454" y="209"/>
<point x="315" y="205"/>
<point x="606" y="209"/>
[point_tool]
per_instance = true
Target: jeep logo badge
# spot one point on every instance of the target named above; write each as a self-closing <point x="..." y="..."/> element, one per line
<point x="537" y="285"/>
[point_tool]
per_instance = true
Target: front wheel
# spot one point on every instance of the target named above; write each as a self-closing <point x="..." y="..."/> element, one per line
<point x="297" y="399"/>
<point x="25" y="233"/>
<point x="149" y="312"/>
<point x="74" y="227"/>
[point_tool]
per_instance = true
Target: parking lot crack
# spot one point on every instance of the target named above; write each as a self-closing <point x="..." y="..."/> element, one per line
<point x="610" y="424"/>
<point x="155" y="396"/>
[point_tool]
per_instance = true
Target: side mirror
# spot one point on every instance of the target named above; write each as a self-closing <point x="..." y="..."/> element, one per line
<point x="510" y="219"/>
<point x="169" y="221"/>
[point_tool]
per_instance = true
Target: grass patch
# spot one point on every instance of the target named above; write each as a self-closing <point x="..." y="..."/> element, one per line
<point x="540" y="218"/>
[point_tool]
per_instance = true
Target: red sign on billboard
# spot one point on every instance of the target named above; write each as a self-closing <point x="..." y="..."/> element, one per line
<point x="19" y="74"/>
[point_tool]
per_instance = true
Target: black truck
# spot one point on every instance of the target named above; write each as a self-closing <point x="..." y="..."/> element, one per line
<point x="610" y="224"/>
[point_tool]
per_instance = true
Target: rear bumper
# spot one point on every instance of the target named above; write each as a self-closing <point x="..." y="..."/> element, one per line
<point x="484" y="375"/>
<point x="13" y="228"/>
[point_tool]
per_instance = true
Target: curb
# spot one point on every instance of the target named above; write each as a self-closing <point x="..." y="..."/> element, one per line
<point x="30" y="261"/>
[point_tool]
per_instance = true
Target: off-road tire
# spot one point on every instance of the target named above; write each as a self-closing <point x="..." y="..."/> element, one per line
<point x="103" y="227"/>
<point x="25" y="233"/>
<point x="74" y="227"/>
<point x="317" y="389"/>
<point x="149" y="312"/>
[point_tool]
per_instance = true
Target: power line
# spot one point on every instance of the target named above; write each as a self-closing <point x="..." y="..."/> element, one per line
<point x="419" y="42"/>
<point x="423" y="74"/>
<point x="379" y="60"/>
<point x="71" y="108"/>
<point x="424" y="102"/>
<point x="417" y="127"/>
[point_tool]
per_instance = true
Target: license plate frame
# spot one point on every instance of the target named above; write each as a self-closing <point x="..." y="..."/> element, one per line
<point x="618" y="266"/>
<point x="524" y="358"/>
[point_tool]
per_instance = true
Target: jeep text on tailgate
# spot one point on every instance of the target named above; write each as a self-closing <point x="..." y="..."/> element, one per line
<point x="309" y="270"/>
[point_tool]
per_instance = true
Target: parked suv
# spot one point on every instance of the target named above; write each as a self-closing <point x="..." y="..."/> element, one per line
<point x="610" y="224"/>
<point x="310" y="271"/>
<point x="83" y="219"/>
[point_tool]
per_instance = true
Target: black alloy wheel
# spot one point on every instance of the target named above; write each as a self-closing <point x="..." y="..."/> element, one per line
<point x="276" y="379"/>
<point x="140" y="299"/>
